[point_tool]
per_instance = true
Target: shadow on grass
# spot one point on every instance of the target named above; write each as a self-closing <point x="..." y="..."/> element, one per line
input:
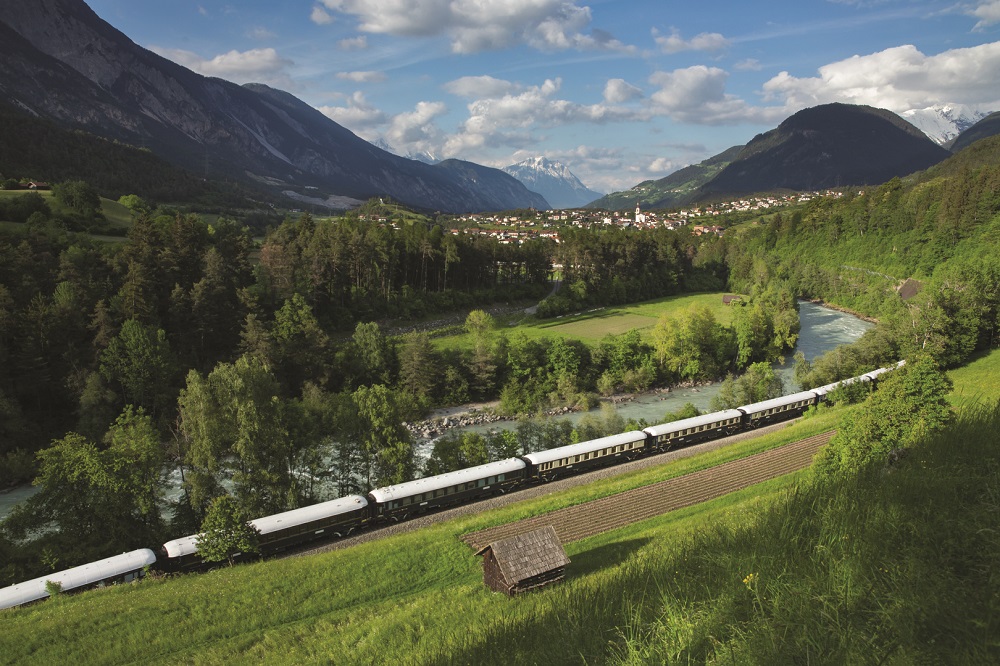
<point x="601" y="557"/>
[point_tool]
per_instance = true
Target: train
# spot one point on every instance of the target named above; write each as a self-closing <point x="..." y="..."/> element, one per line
<point x="345" y="515"/>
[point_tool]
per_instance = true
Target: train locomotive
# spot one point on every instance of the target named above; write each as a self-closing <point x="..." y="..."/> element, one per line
<point x="345" y="515"/>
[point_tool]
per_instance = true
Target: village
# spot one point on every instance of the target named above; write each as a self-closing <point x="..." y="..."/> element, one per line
<point x="521" y="226"/>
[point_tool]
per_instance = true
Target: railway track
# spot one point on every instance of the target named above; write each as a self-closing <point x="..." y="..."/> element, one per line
<point x="537" y="491"/>
<point x="608" y="513"/>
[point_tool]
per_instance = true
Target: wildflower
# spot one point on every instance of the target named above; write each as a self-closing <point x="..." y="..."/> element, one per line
<point x="750" y="580"/>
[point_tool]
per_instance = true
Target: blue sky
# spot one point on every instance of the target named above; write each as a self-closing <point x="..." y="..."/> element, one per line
<point x="621" y="91"/>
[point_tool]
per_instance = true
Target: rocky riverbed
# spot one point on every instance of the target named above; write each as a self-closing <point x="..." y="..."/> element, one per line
<point x="449" y="418"/>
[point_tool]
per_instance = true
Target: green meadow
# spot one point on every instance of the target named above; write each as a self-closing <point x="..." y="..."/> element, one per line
<point x="591" y="326"/>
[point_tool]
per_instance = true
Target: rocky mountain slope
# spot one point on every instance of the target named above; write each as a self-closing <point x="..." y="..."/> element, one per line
<point x="61" y="61"/>
<point x="554" y="181"/>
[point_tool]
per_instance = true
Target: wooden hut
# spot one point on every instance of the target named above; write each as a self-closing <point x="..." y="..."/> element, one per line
<point x="524" y="562"/>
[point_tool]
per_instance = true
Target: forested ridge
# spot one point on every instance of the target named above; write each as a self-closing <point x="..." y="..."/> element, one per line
<point x="262" y="373"/>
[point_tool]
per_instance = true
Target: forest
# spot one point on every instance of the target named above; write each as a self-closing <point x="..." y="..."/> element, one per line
<point x="259" y="370"/>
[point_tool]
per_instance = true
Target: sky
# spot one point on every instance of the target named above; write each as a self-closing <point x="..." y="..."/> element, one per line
<point x="621" y="91"/>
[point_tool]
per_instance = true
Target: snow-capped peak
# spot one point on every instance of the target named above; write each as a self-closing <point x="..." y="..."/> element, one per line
<point x="423" y="156"/>
<point x="553" y="180"/>
<point x="943" y="122"/>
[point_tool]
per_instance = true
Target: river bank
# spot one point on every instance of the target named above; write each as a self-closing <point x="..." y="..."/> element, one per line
<point x="440" y="421"/>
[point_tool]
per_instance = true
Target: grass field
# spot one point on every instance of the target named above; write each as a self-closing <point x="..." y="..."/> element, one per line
<point x="117" y="215"/>
<point x="977" y="382"/>
<point x="591" y="326"/>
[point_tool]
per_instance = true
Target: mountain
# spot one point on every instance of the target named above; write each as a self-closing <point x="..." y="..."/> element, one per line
<point x="423" y="156"/>
<point x="671" y="191"/>
<point x="826" y="146"/>
<point x="59" y="60"/>
<point x="554" y="181"/>
<point x="944" y="122"/>
<point x="987" y="127"/>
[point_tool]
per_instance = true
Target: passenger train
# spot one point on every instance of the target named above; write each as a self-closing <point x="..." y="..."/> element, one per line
<point x="342" y="516"/>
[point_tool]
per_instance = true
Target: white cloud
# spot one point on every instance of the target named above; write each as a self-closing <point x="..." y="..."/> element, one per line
<point x="255" y="65"/>
<point x="260" y="33"/>
<point x="748" y="65"/>
<point x="476" y="87"/>
<point x="618" y="91"/>
<point x="988" y="14"/>
<point x="320" y="16"/>
<point x="662" y="165"/>
<point x="481" y="25"/>
<point x="358" y="116"/>
<point x="898" y="79"/>
<point x="415" y="130"/>
<point x="359" y="43"/>
<point x="698" y="95"/>
<point x="362" y="77"/>
<point x="706" y="41"/>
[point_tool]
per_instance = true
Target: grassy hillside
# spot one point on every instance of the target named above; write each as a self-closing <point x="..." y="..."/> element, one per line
<point x="893" y="565"/>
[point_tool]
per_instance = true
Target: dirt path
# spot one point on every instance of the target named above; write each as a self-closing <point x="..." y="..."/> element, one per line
<point x="608" y="513"/>
<point x="538" y="491"/>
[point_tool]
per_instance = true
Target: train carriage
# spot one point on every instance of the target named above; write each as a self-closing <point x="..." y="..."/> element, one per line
<point x="401" y="500"/>
<point x="823" y="391"/>
<point x="122" y="568"/>
<point x="556" y="462"/>
<point x="672" y="435"/>
<point x="777" y="409"/>
<point x="337" y="517"/>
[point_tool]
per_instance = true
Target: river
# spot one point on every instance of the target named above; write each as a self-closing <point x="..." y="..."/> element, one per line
<point x="822" y="329"/>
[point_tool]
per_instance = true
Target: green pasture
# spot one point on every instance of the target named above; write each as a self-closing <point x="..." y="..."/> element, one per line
<point x="117" y="215"/>
<point x="977" y="382"/>
<point x="591" y="326"/>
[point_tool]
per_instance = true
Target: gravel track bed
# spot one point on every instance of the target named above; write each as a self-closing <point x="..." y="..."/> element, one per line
<point x="538" y="491"/>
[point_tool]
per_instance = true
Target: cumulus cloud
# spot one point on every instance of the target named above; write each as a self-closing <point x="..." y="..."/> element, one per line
<point x="415" y="130"/>
<point x="255" y="65"/>
<point x="320" y="16"/>
<point x="698" y="95"/>
<point x="618" y="91"/>
<point x="359" y="43"/>
<point x="358" y="116"/>
<point x="362" y="77"/>
<point x="988" y="14"/>
<point x="674" y="43"/>
<point x="898" y="79"/>
<point x="481" y="25"/>
<point x="475" y="87"/>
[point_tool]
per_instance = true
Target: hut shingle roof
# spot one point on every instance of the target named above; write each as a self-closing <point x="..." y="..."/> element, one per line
<point x="527" y="555"/>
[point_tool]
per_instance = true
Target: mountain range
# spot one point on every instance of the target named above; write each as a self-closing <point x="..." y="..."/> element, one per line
<point x="554" y="181"/>
<point x="830" y="145"/>
<point x="60" y="61"/>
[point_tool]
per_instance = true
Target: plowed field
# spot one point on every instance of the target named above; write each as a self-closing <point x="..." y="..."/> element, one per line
<point x="584" y="520"/>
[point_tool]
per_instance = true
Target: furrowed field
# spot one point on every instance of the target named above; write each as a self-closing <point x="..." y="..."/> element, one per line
<point x="893" y="566"/>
